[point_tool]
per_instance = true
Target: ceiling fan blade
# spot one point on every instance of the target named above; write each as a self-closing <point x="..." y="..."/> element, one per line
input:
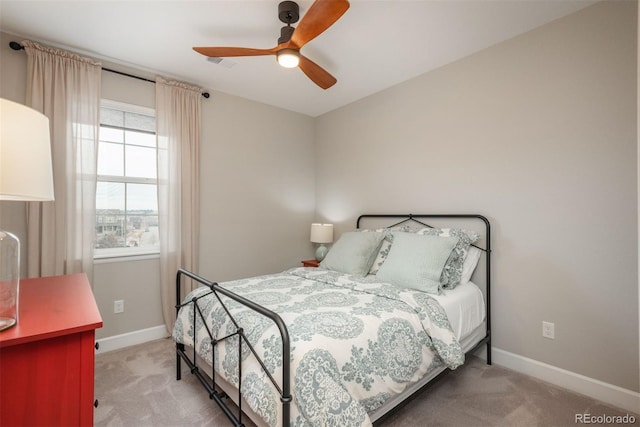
<point x="316" y="73"/>
<point x="320" y="16"/>
<point x="223" y="52"/>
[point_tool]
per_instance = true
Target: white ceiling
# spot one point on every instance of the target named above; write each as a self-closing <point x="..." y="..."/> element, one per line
<point x="375" y="45"/>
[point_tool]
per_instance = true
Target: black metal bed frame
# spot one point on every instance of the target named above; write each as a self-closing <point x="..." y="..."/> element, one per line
<point x="285" y="391"/>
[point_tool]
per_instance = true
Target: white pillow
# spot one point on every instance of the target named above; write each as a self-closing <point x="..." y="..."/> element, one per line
<point x="470" y="264"/>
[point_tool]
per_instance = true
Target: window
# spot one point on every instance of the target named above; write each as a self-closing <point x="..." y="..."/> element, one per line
<point x="126" y="193"/>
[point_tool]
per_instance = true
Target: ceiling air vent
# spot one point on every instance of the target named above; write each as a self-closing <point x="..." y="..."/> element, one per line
<point x="223" y="62"/>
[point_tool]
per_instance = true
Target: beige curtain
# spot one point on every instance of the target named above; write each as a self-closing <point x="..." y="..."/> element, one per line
<point x="66" y="88"/>
<point x="178" y="133"/>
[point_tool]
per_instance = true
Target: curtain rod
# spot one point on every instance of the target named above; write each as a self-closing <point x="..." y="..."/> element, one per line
<point x="18" y="46"/>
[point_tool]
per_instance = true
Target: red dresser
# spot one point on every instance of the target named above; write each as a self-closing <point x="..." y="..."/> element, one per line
<point x="47" y="359"/>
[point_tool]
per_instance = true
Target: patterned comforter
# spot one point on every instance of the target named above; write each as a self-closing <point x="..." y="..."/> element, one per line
<point x="355" y="342"/>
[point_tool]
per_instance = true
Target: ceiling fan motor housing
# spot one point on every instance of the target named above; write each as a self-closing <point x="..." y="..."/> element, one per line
<point x="288" y="12"/>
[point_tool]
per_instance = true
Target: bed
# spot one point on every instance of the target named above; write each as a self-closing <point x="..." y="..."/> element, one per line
<point x="365" y="332"/>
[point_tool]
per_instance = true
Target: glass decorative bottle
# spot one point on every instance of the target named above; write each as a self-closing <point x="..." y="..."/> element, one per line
<point x="9" y="279"/>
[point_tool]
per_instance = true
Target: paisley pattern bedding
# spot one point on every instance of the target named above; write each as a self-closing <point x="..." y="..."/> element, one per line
<point x="355" y="342"/>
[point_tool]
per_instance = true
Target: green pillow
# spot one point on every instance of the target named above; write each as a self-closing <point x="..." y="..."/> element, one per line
<point x="416" y="261"/>
<point x="353" y="253"/>
<point x="452" y="273"/>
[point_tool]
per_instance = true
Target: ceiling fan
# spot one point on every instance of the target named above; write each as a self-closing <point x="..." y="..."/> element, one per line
<point x="320" y="16"/>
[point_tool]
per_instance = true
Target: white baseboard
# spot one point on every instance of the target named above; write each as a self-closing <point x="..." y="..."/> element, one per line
<point x="131" y="338"/>
<point x="608" y="393"/>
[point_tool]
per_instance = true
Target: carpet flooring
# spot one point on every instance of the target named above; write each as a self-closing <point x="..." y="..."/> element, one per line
<point x="136" y="386"/>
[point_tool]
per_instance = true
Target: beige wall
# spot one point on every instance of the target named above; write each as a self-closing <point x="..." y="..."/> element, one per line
<point x="257" y="201"/>
<point x="137" y="284"/>
<point x="539" y="134"/>
<point x="258" y="180"/>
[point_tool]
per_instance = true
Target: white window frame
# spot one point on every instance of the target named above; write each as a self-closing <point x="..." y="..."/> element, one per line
<point x="111" y="254"/>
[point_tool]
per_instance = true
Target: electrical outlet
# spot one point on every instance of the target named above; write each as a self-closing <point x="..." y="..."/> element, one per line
<point x="548" y="330"/>
<point x="118" y="306"/>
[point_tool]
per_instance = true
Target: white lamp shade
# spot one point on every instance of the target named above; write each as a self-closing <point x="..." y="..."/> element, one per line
<point x="321" y="233"/>
<point x="25" y="154"/>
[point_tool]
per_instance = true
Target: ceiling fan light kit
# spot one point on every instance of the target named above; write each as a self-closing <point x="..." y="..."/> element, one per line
<point x="288" y="58"/>
<point x="320" y="16"/>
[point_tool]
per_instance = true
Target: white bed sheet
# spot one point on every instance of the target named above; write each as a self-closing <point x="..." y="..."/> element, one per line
<point x="464" y="306"/>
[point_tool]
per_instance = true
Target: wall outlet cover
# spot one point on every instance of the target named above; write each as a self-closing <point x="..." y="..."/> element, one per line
<point x="118" y="306"/>
<point x="548" y="330"/>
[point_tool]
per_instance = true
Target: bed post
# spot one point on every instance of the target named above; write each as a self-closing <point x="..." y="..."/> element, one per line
<point x="178" y="346"/>
<point x="488" y="283"/>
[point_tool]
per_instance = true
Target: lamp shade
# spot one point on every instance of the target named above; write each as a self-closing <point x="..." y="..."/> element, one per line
<point x="321" y="233"/>
<point x="25" y="154"/>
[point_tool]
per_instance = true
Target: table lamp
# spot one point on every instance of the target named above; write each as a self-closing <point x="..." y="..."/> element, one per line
<point x="321" y="233"/>
<point x="25" y="175"/>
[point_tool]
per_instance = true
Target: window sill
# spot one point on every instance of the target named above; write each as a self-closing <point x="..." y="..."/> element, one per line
<point x="114" y="257"/>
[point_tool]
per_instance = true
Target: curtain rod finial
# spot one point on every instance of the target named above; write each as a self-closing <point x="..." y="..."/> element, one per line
<point x="15" y="46"/>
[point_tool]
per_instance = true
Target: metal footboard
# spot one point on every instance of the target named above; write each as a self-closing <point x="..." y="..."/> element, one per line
<point x="218" y="396"/>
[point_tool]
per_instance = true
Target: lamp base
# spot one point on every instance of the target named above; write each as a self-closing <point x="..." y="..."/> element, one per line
<point x="9" y="279"/>
<point x="321" y="252"/>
